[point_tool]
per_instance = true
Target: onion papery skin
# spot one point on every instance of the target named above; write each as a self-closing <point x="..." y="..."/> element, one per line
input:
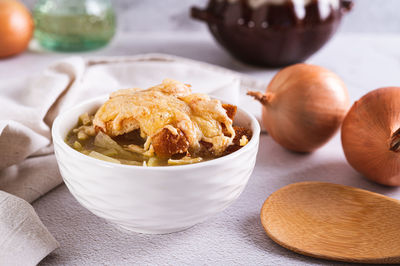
<point x="369" y="133"/>
<point x="305" y="108"/>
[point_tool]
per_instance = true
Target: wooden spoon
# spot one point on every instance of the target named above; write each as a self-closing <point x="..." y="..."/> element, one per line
<point x="334" y="222"/>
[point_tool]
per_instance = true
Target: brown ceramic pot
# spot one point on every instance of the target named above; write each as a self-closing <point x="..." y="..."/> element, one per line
<point x="272" y="32"/>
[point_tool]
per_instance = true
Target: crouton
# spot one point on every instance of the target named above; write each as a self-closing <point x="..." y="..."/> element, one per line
<point x="239" y="133"/>
<point x="230" y="110"/>
<point x="167" y="143"/>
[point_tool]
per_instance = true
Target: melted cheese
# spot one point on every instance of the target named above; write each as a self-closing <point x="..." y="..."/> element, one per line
<point x="169" y="105"/>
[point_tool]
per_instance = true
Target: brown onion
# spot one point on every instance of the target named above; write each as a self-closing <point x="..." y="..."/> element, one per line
<point x="303" y="106"/>
<point x="371" y="136"/>
<point x="16" y="27"/>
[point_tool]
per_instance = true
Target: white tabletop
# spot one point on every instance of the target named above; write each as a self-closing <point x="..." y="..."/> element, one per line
<point x="235" y="236"/>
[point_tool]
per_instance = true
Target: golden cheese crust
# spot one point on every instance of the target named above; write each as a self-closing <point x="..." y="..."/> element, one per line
<point x="170" y="117"/>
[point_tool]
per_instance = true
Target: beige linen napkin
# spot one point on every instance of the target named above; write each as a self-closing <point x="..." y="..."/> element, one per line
<point x="23" y="238"/>
<point x="27" y="164"/>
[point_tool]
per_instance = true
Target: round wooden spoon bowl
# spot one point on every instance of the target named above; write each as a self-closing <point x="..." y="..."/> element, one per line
<point x="334" y="222"/>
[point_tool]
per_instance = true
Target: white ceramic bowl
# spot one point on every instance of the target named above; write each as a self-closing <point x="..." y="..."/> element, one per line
<point x="153" y="199"/>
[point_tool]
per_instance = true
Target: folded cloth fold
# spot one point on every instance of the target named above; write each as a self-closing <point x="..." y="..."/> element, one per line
<point x="24" y="240"/>
<point x="27" y="164"/>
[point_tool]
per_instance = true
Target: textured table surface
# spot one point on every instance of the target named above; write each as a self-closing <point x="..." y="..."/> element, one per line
<point x="235" y="236"/>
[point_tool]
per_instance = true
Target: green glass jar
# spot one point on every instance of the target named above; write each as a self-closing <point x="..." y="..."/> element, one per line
<point x="74" y="25"/>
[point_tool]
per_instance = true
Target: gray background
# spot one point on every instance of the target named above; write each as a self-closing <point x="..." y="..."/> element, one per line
<point x="380" y="16"/>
